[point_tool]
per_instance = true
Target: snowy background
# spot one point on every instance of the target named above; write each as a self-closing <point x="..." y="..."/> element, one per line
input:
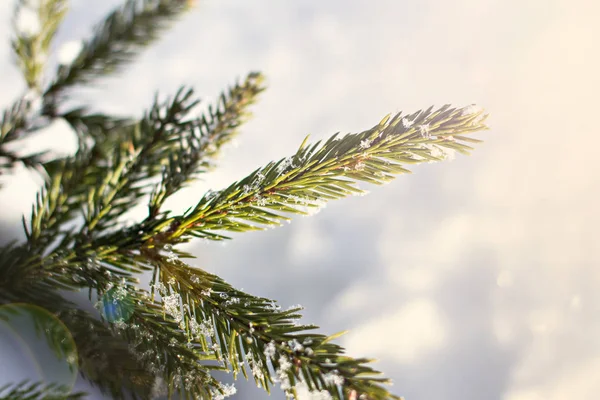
<point x="472" y="279"/>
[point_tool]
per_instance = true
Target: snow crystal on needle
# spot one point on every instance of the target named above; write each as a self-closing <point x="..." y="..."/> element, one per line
<point x="365" y="144"/>
<point x="424" y="130"/>
<point x="270" y="350"/>
<point x="285" y="164"/>
<point x="406" y="123"/>
<point x="228" y="390"/>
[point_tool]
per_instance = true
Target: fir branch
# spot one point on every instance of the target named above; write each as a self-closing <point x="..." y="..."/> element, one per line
<point x="104" y="357"/>
<point x="14" y="121"/>
<point x="13" y="126"/>
<point x="250" y="333"/>
<point x="104" y="131"/>
<point x="35" y="25"/>
<point x="23" y="281"/>
<point x="126" y="357"/>
<point x="209" y="133"/>
<point x="110" y="177"/>
<point x="161" y="345"/>
<point x="139" y="157"/>
<point x="32" y="161"/>
<point x="101" y="180"/>
<point x="62" y="196"/>
<point x="117" y="40"/>
<point x="37" y="390"/>
<point x="315" y="174"/>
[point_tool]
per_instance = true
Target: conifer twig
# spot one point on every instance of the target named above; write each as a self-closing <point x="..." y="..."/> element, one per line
<point x="35" y="24"/>
<point x="249" y="333"/>
<point x="117" y="40"/>
<point x="304" y="181"/>
<point x="14" y="125"/>
<point x="38" y="391"/>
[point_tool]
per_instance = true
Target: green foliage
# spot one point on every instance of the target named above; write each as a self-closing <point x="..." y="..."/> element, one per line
<point x="31" y="45"/>
<point x="12" y="128"/>
<point x="171" y="337"/>
<point x="37" y="390"/>
<point x="117" y="39"/>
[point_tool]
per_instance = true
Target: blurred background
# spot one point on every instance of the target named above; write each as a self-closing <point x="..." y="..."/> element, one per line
<point x="471" y="279"/>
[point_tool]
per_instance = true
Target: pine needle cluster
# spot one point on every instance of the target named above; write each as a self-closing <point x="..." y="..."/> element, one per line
<point x="170" y="337"/>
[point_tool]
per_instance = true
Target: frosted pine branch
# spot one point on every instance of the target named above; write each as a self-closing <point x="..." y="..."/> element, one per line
<point x="319" y="173"/>
<point x="247" y="333"/>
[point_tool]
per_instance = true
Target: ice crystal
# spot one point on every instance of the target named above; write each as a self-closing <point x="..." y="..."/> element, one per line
<point x="119" y="324"/>
<point x="471" y="109"/>
<point x="424" y="131"/>
<point x="441" y="152"/>
<point x="228" y="390"/>
<point x="285" y="382"/>
<point x="284" y="165"/>
<point x="172" y="257"/>
<point x="172" y="306"/>
<point x="406" y="123"/>
<point x="333" y="377"/>
<point x="160" y="287"/>
<point x="211" y="195"/>
<point x="365" y="144"/>
<point x="295" y="199"/>
<point x="306" y="394"/>
<point x="257" y="371"/>
<point x="284" y="363"/>
<point x="359" y="166"/>
<point x="120" y="293"/>
<point x="295" y="345"/>
<point x="261" y="201"/>
<point x="270" y="350"/>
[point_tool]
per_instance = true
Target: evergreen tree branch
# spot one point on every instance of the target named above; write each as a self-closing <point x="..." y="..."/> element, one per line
<point x="103" y="131"/>
<point x="102" y="180"/>
<point x="35" y="25"/>
<point x="14" y="125"/>
<point x="32" y="161"/>
<point x="37" y="390"/>
<point x="24" y="280"/>
<point x="108" y="178"/>
<point x="128" y="357"/>
<point x="315" y="174"/>
<point x="104" y="357"/>
<point x="14" y="121"/>
<point x="209" y="133"/>
<point x="158" y="341"/>
<point x="117" y="40"/>
<point x="253" y="336"/>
